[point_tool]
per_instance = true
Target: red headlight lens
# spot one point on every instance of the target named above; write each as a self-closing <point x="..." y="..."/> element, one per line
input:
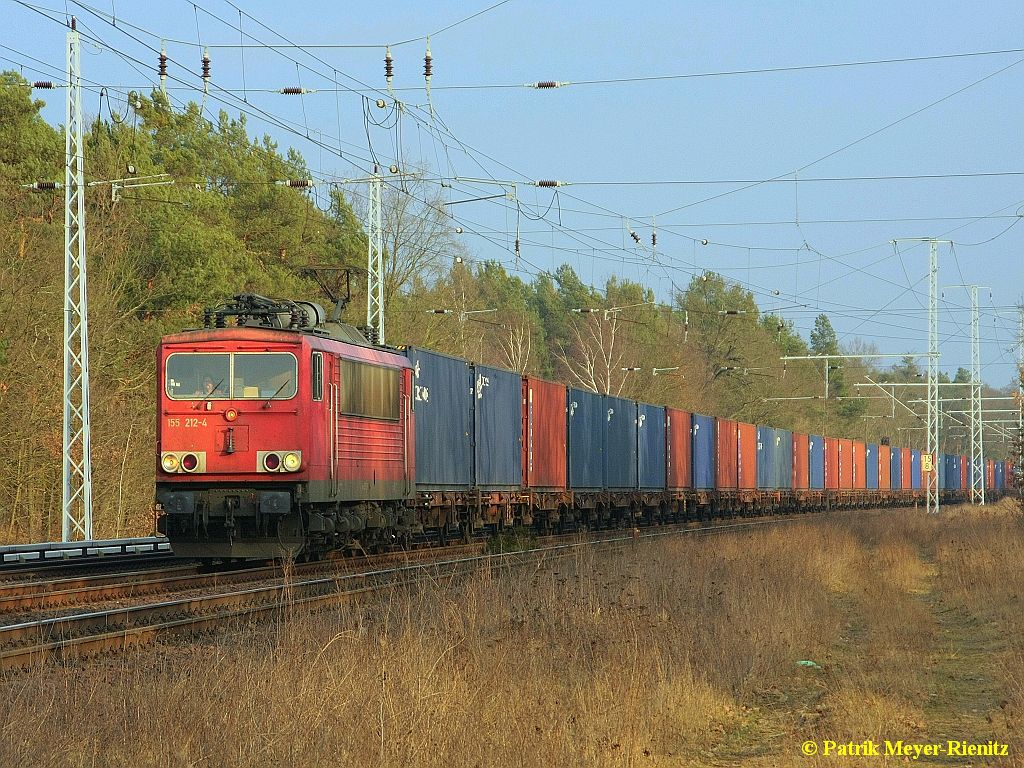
<point x="272" y="462"/>
<point x="190" y="462"/>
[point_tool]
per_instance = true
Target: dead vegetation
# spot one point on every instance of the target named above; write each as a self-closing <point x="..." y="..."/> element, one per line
<point x="682" y="652"/>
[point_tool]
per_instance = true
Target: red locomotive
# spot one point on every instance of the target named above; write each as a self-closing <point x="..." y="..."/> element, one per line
<point x="278" y="433"/>
<point x="282" y="434"/>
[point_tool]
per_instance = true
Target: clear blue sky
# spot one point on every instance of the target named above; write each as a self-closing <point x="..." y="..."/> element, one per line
<point x="729" y="127"/>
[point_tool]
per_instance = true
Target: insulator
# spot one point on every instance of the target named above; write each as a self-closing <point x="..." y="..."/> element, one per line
<point x="206" y="64"/>
<point x="295" y="183"/>
<point x="549" y="183"/>
<point x="293" y="90"/>
<point x="45" y="84"/>
<point x="654" y="239"/>
<point x="517" y="247"/>
<point x="163" y="63"/>
<point x="389" y="65"/>
<point x="635" y="236"/>
<point x="428" y="61"/>
<point x="547" y="84"/>
<point x="46" y="186"/>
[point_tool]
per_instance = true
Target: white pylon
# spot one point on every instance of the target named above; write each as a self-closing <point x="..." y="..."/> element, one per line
<point x="77" y="475"/>
<point x="375" y="259"/>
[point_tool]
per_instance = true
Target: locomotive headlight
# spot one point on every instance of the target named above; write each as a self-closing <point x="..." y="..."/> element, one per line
<point x="190" y="462"/>
<point x="230" y="414"/>
<point x="169" y="462"/>
<point x="272" y="462"/>
<point x="291" y="461"/>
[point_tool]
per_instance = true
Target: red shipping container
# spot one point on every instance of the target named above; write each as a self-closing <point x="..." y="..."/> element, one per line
<point x="845" y="464"/>
<point x="746" y="451"/>
<point x="990" y="474"/>
<point x="677" y="448"/>
<point x="544" y="434"/>
<point x="831" y="463"/>
<point x="884" y="470"/>
<point x="726" y="476"/>
<point x="905" y="469"/>
<point x="860" y="472"/>
<point x="801" y="473"/>
<point x="963" y="473"/>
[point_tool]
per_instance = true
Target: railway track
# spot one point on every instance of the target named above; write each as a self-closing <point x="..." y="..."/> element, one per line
<point x="85" y="590"/>
<point x="84" y="634"/>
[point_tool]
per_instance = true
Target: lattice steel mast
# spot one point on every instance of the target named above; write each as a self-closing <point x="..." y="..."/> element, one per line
<point x="375" y="259"/>
<point x="977" y="436"/>
<point x="932" y="478"/>
<point x="77" y="480"/>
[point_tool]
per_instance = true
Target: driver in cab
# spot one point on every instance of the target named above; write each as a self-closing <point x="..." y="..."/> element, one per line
<point x="210" y="389"/>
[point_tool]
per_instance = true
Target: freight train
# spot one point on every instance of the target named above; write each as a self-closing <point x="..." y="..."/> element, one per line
<point x="282" y="434"/>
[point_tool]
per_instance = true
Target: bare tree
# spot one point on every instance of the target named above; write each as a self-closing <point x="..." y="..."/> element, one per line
<point x="594" y="356"/>
<point x="516" y="342"/>
<point x="419" y="238"/>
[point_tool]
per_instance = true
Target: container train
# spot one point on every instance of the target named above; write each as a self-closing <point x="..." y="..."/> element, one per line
<point x="281" y="434"/>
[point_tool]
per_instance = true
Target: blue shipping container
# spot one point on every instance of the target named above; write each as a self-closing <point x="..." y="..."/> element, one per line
<point x="586" y="439"/>
<point x="816" y="462"/>
<point x="915" y="469"/>
<point x="620" y="448"/>
<point x="650" y="435"/>
<point x="702" y="451"/>
<point x="783" y="459"/>
<point x="953" y="467"/>
<point x="942" y="470"/>
<point x="1000" y="476"/>
<point x="765" y="457"/>
<point x="871" y="466"/>
<point x="896" y="468"/>
<point x="443" y="401"/>
<point x="499" y="428"/>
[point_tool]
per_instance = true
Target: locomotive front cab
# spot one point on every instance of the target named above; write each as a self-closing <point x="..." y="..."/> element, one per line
<point x="231" y="455"/>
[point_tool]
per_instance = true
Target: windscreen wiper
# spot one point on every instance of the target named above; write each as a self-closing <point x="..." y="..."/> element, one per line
<point x="279" y="389"/>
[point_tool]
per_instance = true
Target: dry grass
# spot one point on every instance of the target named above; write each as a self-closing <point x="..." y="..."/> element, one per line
<point x="677" y="653"/>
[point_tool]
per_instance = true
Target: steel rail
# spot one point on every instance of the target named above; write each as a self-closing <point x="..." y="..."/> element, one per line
<point x="40" y="595"/>
<point x="86" y="634"/>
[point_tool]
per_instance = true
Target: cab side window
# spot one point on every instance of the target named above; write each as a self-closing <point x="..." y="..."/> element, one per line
<point x="317" y="372"/>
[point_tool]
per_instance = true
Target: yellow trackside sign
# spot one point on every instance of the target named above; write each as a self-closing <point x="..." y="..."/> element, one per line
<point x="926" y="462"/>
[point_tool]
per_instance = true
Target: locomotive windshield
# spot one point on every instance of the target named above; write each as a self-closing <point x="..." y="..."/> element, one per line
<point x="231" y="376"/>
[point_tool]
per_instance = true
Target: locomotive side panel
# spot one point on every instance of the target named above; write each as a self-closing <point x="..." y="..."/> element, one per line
<point x="370" y="442"/>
